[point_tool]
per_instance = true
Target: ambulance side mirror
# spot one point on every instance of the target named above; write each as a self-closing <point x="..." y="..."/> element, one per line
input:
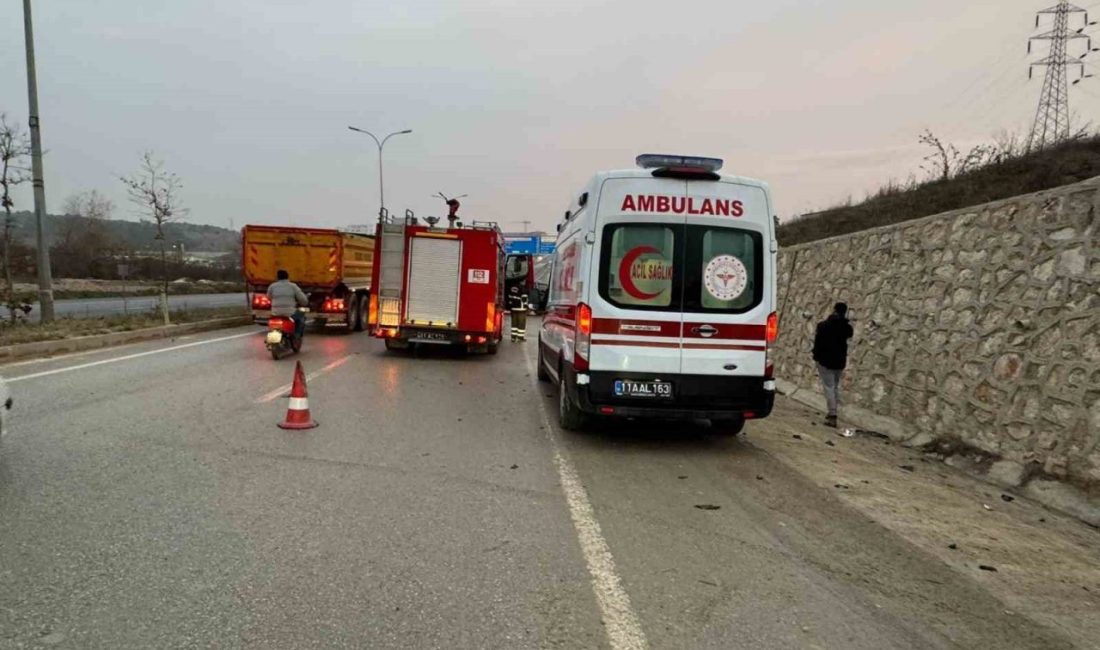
<point x="559" y="227"/>
<point x="590" y="238"/>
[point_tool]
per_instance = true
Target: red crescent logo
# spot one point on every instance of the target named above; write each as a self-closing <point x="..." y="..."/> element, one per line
<point x="624" y="272"/>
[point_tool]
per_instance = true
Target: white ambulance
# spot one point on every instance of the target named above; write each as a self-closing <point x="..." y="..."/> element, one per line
<point x="663" y="297"/>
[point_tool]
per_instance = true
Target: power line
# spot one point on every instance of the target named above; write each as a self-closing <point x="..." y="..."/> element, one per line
<point x="1052" y="116"/>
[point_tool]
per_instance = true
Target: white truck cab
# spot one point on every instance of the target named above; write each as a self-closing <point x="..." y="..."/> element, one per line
<point x="663" y="296"/>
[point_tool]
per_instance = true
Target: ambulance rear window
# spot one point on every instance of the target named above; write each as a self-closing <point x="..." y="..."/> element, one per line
<point x="637" y="266"/>
<point x="672" y="267"/>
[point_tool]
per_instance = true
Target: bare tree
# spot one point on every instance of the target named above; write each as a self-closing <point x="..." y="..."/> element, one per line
<point x="15" y="149"/>
<point x="156" y="192"/>
<point x="938" y="163"/>
<point x="82" y="236"/>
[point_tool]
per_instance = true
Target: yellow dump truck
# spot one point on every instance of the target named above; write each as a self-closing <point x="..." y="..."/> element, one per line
<point x="333" y="268"/>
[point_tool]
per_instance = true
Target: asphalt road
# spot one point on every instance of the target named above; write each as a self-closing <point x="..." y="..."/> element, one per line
<point x="89" y="307"/>
<point x="147" y="500"/>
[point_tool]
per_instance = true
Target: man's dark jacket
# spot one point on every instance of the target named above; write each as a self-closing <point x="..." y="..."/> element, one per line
<point x="831" y="342"/>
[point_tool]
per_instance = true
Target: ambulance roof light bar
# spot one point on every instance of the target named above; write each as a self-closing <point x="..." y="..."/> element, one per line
<point x="668" y="161"/>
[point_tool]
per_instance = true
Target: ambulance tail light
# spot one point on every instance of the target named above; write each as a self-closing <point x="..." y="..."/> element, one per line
<point x="372" y="310"/>
<point x="771" y="333"/>
<point x="583" y="344"/>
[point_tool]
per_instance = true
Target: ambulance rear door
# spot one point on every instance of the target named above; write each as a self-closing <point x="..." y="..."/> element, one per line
<point x="728" y="278"/>
<point x="635" y="291"/>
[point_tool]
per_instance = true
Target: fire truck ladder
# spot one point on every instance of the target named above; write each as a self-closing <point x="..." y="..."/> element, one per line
<point x="391" y="274"/>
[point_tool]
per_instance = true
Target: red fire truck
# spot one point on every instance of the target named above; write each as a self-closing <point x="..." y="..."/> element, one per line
<point x="438" y="286"/>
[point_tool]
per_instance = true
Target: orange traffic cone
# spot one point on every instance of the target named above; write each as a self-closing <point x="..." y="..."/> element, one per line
<point x="297" y="414"/>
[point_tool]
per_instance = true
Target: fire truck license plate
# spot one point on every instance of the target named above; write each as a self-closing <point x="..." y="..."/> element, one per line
<point x="650" y="389"/>
<point x="431" y="337"/>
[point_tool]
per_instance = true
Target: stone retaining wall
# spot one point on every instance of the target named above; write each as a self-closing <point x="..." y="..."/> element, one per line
<point x="978" y="328"/>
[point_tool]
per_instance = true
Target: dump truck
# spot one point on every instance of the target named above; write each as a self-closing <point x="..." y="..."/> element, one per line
<point x="332" y="267"/>
<point x="438" y="286"/>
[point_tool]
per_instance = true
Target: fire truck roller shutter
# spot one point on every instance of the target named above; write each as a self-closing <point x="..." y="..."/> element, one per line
<point x="434" y="277"/>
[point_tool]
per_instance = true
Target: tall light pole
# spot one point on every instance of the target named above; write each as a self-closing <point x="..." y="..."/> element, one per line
<point x="45" y="278"/>
<point x="381" y="143"/>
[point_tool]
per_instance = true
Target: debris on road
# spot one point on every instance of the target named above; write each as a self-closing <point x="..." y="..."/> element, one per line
<point x="708" y="582"/>
<point x="681" y="477"/>
<point x="830" y="443"/>
<point x="986" y="567"/>
<point x="1007" y="498"/>
<point x="707" y="506"/>
<point x="759" y="477"/>
<point x="953" y="546"/>
<point x="987" y="507"/>
<point x="907" y="468"/>
<point x="515" y="466"/>
<point x="848" y="433"/>
<point x="797" y="437"/>
<point x="841" y="486"/>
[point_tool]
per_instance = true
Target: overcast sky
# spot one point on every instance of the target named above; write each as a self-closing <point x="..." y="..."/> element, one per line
<point x="513" y="103"/>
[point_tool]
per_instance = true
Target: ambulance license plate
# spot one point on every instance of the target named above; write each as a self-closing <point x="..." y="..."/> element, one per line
<point x="647" y="389"/>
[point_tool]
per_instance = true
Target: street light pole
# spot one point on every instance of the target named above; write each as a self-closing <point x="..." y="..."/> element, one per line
<point x="45" y="278"/>
<point x="381" y="185"/>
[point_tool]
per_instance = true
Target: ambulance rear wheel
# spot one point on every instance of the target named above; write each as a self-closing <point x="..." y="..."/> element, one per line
<point x="569" y="416"/>
<point x="540" y="371"/>
<point x="730" y="427"/>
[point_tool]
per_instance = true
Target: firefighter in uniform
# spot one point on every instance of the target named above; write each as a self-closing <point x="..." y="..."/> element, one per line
<point x="517" y="303"/>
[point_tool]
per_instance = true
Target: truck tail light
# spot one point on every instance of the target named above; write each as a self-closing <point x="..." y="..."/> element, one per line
<point x="261" y="301"/>
<point x="491" y="317"/>
<point x="771" y="333"/>
<point x="333" y="305"/>
<point x="583" y="344"/>
<point x="372" y="310"/>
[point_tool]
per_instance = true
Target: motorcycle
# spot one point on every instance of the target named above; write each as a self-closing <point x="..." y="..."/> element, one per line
<point x="282" y="337"/>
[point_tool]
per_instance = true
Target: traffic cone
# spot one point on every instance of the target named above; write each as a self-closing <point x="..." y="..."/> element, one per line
<point x="297" y="413"/>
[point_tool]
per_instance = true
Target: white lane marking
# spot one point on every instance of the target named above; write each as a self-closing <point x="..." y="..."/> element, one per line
<point x="57" y="371"/>
<point x="282" y="391"/>
<point x="624" y="631"/>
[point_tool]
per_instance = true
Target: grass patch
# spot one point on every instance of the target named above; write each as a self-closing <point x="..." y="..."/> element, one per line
<point x="64" y="328"/>
<point x="1070" y="162"/>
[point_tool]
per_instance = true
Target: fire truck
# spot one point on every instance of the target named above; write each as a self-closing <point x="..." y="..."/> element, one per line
<point x="438" y="285"/>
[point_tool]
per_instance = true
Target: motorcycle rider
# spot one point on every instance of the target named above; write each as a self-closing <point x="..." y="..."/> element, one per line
<point x="285" y="298"/>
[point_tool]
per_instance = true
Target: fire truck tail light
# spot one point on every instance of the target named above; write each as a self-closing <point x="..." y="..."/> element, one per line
<point x="372" y="310"/>
<point x="481" y="339"/>
<point x="491" y="317"/>
<point x="468" y="338"/>
<point x="771" y="332"/>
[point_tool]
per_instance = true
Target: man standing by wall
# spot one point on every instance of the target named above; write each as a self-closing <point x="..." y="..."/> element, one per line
<point x="831" y="355"/>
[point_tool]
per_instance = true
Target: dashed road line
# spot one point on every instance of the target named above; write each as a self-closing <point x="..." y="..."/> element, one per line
<point x="624" y="631"/>
<point x="282" y="391"/>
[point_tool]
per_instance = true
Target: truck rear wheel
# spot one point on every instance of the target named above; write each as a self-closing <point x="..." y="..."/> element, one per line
<point x="393" y="345"/>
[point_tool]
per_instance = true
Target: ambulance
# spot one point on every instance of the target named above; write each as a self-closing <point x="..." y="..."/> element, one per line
<point x="663" y="297"/>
